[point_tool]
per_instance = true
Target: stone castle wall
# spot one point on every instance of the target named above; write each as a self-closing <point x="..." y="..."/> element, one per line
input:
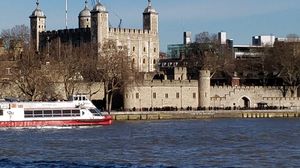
<point x="183" y="94"/>
<point x="143" y="46"/>
<point x="180" y="94"/>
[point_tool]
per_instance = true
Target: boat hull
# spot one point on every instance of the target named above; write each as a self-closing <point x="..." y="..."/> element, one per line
<point x="58" y="123"/>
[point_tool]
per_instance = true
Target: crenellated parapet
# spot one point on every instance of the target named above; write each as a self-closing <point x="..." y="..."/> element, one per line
<point x="66" y="32"/>
<point x="131" y="31"/>
<point x="65" y="36"/>
<point x="171" y="83"/>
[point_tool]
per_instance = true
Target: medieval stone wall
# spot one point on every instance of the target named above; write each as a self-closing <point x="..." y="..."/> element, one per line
<point x="158" y="94"/>
<point x="183" y="94"/>
<point x="143" y="46"/>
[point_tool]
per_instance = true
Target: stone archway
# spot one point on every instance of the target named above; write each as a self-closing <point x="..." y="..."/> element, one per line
<point x="246" y="102"/>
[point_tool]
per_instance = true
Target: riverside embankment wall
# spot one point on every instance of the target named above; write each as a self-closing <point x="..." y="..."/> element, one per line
<point x="161" y="115"/>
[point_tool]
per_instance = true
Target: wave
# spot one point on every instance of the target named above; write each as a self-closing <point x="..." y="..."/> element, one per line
<point x="6" y="163"/>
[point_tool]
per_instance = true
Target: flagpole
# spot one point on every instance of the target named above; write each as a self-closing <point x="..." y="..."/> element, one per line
<point x="66" y="14"/>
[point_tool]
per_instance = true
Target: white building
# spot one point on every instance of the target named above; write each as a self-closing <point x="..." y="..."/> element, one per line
<point x="263" y="40"/>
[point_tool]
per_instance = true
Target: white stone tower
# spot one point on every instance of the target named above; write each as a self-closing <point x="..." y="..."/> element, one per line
<point x="84" y="17"/>
<point x="99" y="23"/>
<point x="204" y="88"/>
<point x="150" y="18"/>
<point x="37" y="25"/>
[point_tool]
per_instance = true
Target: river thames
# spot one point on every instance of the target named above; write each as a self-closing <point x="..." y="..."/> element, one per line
<point x="157" y="144"/>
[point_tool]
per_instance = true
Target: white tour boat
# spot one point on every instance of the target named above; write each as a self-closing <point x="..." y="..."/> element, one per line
<point x="79" y="111"/>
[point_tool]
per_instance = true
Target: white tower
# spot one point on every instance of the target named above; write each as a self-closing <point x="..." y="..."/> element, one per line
<point x="204" y="88"/>
<point x="99" y="23"/>
<point x="85" y="17"/>
<point x="150" y="18"/>
<point x="37" y="25"/>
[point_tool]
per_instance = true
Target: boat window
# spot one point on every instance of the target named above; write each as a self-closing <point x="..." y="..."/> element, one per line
<point x="38" y="113"/>
<point x="1" y="112"/>
<point x="66" y="113"/>
<point x="28" y="114"/>
<point x="48" y="113"/>
<point x="75" y="112"/>
<point x="56" y="113"/>
<point x="95" y="112"/>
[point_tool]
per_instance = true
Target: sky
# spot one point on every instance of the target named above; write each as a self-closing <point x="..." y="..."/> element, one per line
<point x="241" y="19"/>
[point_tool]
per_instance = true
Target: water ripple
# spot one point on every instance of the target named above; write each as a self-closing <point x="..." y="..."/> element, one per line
<point x="156" y="144"/>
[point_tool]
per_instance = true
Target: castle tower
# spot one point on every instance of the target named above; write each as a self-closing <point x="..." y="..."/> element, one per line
<point x="150" y="18"/>
<point x="99" y="23"/>
<point x="204" y="88"/>
<point x="37" y="25"/>
<point x="84" y="17"/>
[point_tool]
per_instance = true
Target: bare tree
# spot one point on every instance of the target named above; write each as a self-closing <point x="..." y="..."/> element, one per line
<point x="286" y="62"/>
<point x="114" y="69"/>
<point x="206" y="37"/>
<point x="32" y="81"/>
<point x="208" y="54"/>
<point x="67" y="68"/>
<point x="16" y="37"/>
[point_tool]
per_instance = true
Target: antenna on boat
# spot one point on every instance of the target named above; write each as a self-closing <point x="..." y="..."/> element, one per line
<point x="66" y="19"/>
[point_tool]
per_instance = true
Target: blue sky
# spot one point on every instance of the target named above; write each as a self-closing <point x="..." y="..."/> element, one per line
<point x="241" y="19"/>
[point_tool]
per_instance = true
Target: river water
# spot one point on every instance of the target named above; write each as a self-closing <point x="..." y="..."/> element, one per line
<point x="158" y="144"/>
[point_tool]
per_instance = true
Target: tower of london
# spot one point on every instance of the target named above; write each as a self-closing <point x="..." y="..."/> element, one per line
<point x="93" y="27"/>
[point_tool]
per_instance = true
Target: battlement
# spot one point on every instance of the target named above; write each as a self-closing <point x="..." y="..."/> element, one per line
<point x="130" y="31"/>
<point x="204" y="73"/>
<point x="66" y="31"/>
<point x="229" y="87"/>
<point x="281" y="98"/>
<point x="171" y="83"/>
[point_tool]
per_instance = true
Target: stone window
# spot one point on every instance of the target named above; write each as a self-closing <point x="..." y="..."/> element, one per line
<point x="154" y="61"/>
<point x="144" y="61"/>
<point x="8" y="71"/>
<point x="154" y="49"/>
<point x="154" y="95"/>
<point x="133" y="48"/>
<point x="144" y="49"/>
<point x="194" y="95"/>
<point x="126" y="96"/>
<point x="166" y="95"/>
<point x="137" y="95"/>
<point x="177" y="95"/>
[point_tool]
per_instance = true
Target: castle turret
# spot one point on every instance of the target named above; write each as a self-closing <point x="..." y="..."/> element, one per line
<point x="37" y="25"/>
<point x="150" y="18"/>
<point x="99" y="23"/>
<point x="84" y="17"/>
<point x="204" y="88"/>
